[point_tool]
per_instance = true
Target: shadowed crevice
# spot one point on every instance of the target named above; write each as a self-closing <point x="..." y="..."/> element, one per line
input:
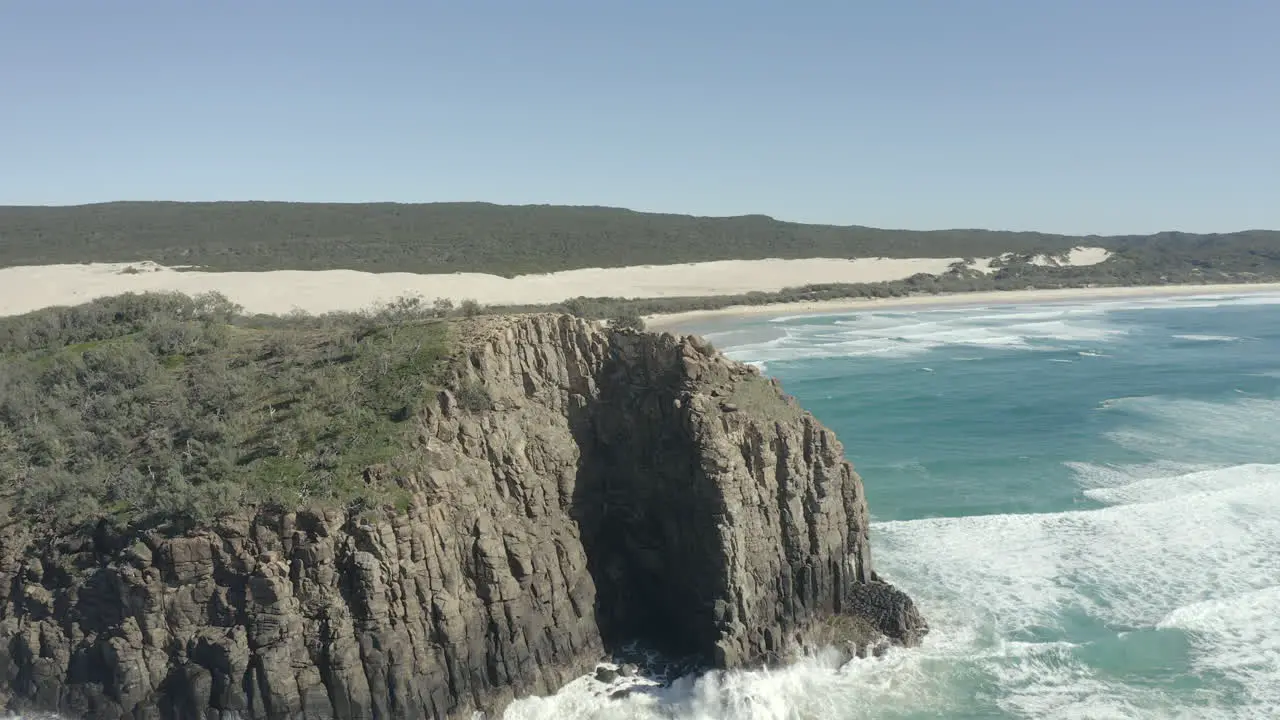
<point x="646" y="512"/>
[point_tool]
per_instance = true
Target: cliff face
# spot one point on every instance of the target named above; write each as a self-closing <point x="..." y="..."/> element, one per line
<point x="580" y="490"/>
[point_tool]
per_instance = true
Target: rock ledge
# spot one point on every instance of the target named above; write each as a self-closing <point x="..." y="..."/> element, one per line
<point x="622" y="487"/>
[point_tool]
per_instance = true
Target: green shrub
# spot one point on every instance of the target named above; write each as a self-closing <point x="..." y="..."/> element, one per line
<point x="442" y="307"/>
<point x="474" y="396"/>
<point x="168" y="412"/>
<point x="627" y="319"/>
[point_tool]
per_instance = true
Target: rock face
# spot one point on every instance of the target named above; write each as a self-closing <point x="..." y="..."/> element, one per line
<point x="580" y="489"/>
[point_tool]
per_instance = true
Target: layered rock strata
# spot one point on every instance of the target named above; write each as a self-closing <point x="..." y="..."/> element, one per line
<point x="577" y="490"/>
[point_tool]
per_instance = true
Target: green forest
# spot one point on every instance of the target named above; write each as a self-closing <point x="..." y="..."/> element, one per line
<point x="510" y="240"/>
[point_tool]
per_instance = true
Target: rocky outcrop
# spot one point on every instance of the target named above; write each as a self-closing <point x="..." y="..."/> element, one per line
<point x="577" y="490"/>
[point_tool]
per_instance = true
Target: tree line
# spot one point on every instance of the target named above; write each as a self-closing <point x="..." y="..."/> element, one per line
<point x="497" y="239"/>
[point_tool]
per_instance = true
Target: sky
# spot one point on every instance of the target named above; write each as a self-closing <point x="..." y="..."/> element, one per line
<point x="1081" y="116"/>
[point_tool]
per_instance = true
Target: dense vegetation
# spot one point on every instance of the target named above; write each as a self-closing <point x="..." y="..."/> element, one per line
<point x="168" y="411"/>
<point x="480" y="237"/>
<point x="1201" y="265"/>
<point x="145" y="411"/>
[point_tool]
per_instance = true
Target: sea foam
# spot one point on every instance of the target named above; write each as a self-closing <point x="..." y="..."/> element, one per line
<point x="1171" y="547"/>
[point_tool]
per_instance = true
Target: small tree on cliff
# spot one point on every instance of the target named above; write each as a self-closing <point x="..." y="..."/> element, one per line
<point x="628" y="319"/>
<point x="442" y="307"/>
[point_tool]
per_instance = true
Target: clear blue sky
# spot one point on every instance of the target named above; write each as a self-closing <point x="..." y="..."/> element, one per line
<point x="1107" y="116"/>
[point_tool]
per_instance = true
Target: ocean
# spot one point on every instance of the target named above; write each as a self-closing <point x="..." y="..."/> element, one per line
<point x="1083" y="498"/>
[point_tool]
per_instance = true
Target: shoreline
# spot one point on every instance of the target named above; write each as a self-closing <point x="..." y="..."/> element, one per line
<point x="278" y="292"/>
<point x="669" y="322"/>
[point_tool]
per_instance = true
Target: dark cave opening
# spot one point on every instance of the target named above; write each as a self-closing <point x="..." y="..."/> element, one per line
<point x="648" y="520"/>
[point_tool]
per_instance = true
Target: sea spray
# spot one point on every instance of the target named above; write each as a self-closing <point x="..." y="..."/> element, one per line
<point x="1090" y="539"/>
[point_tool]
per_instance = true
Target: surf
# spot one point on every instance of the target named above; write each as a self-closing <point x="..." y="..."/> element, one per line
<point x="1091" y="539"/>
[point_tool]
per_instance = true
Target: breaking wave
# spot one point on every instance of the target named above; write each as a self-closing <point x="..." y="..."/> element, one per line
<point x="1156" y="594"/>
<point x="1023" y="604"/>
<point x="898" y="334"/>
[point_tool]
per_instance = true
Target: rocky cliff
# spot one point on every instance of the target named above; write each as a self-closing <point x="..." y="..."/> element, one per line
<point x="576" y="490"/>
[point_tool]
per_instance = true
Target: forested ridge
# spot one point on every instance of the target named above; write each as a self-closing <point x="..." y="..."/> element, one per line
<point x="509" y="240"/>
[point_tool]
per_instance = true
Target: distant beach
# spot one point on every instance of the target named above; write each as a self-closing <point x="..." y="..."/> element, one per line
<point x="278" y="292"/>
<point x="676" y="321"/>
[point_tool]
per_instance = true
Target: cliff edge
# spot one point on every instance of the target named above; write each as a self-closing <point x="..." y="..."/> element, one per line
<point x="573" y="491"/>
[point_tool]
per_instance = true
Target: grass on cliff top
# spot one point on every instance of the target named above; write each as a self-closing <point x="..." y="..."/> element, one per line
<point x="170" y="411"/>
<point x="757" y="396"/>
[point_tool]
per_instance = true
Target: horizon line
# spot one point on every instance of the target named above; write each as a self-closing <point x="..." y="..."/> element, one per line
<point x="616" y="208"/>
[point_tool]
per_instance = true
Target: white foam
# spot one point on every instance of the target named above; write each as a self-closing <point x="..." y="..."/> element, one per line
<point x="1188" y="544"/>
<point x="984" y="578"/>
<point x="1046" y="680"/>
<point x="1199" y="431"/>
<point x="1208" y="300"/>
<point x="814" y="687"/>
<point x="1155" y="489"/>
<point x="1214" y="301"/>
<point x="1206" y="338"/>
<point x="1092" y="475"/>
<point x="1238" y="637"/>
<point x="1130" y="565"/>
<point x="1030" y="312"/>
<point x="905" y="334"/>
<point x="1036" y="326"/>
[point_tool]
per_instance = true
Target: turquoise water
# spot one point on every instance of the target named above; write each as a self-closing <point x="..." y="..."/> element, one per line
<point x="1083" y="498"/>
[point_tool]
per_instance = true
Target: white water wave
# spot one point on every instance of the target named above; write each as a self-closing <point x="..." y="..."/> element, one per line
<point x="898" y="335"/>
<point x="903" y="333"/>
<point x="1176" y="557"/>
<point x="1238" y="637"/>
<point x="1206" y="338"/>
<point x="1155" y="489"/>
<point x="1175" y="546"/>
<point x="1036" y="310"/>
<point x="1093" y="475"/>
<point x="812" y="688"/>
<point x="1199" y="431"/>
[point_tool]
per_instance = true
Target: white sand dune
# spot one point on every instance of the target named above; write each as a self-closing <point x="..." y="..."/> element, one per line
<point x="23" y="289"/>
<point x="1074" y="258"/>
<point x="277" y="292"/>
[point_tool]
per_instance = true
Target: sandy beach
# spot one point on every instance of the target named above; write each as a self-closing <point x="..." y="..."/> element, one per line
<point x="677" y="321"/>
<point x="23" y="289"/>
